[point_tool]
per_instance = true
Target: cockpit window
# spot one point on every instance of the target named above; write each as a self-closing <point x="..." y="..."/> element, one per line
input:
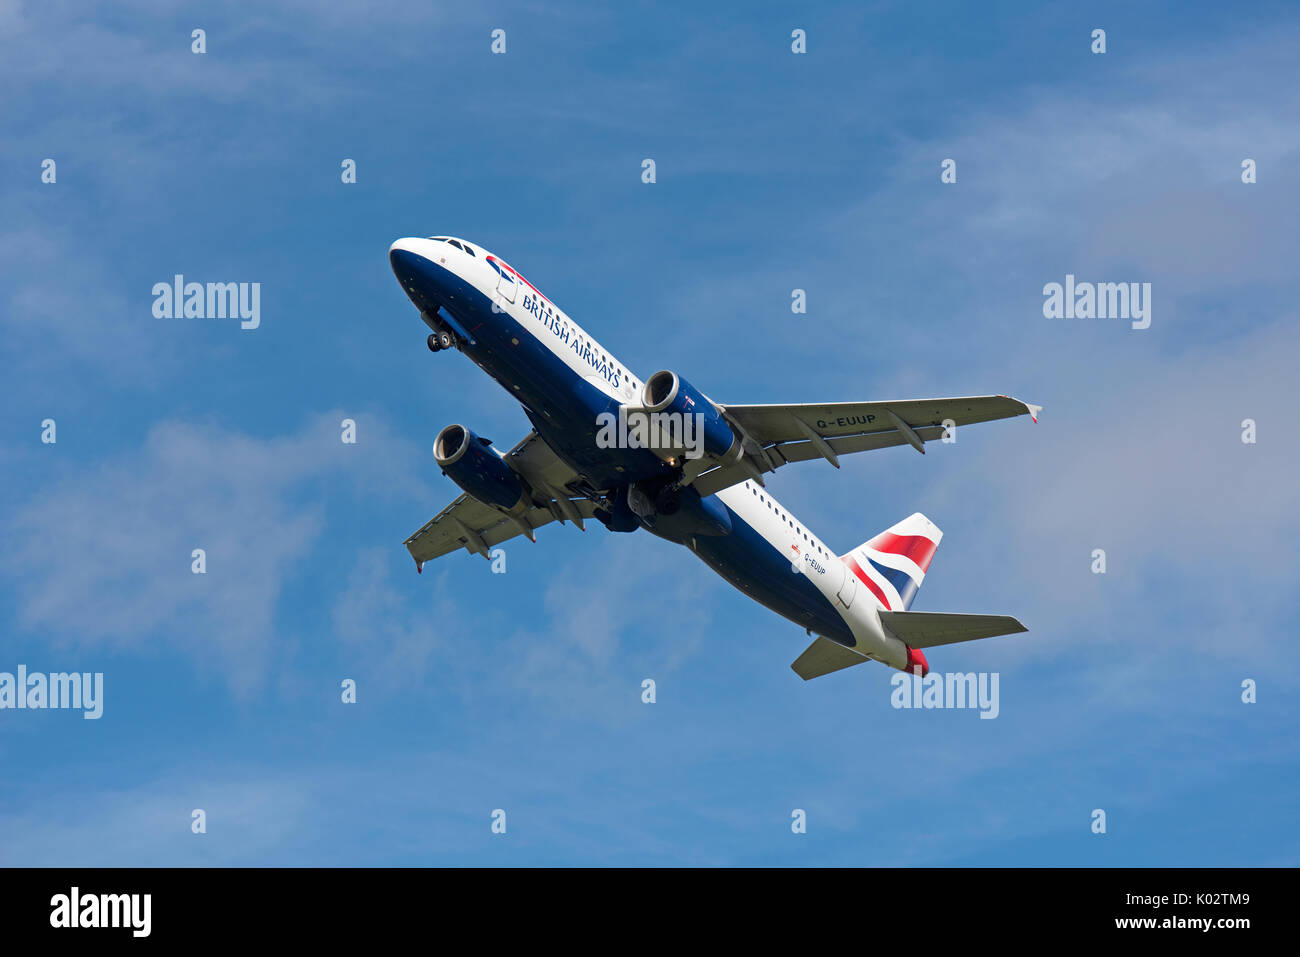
<point x="438" y="239"/>
<point x="466" y="247"/>
<point x="452" y="242"/>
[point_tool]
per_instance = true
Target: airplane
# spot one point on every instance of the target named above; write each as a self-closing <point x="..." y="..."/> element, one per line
<point x="695" y="476"/>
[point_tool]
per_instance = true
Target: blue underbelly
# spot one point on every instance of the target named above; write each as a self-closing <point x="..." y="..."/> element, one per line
<point x="749" y="562"/>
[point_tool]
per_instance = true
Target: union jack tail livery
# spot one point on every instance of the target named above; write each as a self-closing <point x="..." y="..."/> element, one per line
<point x="893" y="564"/>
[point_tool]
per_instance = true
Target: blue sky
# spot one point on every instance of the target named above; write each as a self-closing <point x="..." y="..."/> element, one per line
<point x="775" y="171"/>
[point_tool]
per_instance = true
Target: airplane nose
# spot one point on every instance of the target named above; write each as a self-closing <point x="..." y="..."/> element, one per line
<point x="405" y="257"/>
<point x="409" y="243"/>
<point x="402" y="249"/>
<point x="420" y="278"/>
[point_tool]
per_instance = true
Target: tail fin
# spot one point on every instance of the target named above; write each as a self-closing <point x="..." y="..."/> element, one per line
<point x="893" y="564"/>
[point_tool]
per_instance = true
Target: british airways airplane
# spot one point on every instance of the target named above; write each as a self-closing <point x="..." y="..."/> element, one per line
<point x="709" y="494"/>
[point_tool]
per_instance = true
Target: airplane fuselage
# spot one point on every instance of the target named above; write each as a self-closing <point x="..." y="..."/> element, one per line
<point x="565" y="379"/>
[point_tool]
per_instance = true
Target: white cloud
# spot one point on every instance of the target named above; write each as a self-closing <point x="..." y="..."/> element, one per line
<point x="391" y="637"/>
<point x="249" y="816"/>
<point x="102" y="556"/>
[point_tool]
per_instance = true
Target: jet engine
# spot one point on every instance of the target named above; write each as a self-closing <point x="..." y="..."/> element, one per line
<point x="666" y="392"/>
<point x="476" y="467"/>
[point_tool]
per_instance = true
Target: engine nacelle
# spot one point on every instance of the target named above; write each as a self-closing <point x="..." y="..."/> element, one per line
<point x="476" y="467"/>
<point x="665" y="391"/>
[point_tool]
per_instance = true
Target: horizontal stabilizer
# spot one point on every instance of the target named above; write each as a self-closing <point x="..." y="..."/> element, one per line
<point x="824" y="656"/>
<point x="925" y="629"/>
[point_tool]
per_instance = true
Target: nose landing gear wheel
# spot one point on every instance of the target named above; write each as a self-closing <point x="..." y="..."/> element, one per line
<point x="432" y="342"/>
<point x="444" y="340"/>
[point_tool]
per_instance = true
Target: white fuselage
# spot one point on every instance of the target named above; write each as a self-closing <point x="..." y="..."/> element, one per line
<point x="767" y="521"/>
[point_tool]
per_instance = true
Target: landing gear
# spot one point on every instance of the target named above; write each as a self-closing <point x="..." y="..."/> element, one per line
<point x="668" y="500"/>
<point x="438" y="341"/>
<point x="616" y="514"/>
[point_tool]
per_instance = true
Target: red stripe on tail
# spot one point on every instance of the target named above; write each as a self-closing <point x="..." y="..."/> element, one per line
<point x="916" y="547"/>
<point x="875" y="589"/>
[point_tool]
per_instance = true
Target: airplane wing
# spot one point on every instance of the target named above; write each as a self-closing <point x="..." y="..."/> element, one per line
<point x="473" y="525"/>
<point x="776" y="435"/>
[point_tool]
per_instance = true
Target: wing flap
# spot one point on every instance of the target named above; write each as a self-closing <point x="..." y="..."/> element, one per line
<point x="537" y="462"/>
<point x="446" y="532"/>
